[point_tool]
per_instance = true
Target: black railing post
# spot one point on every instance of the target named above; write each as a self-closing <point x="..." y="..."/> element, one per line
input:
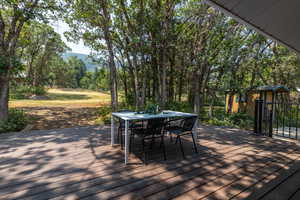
<point x="271" y="123"/>
<point x="258" y="116"/>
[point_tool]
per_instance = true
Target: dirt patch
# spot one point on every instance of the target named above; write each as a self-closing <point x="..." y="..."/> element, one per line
<point x="44" y="118"/>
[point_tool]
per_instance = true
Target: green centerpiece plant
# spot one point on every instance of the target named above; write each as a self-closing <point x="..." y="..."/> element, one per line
<point x="152" y="109"/>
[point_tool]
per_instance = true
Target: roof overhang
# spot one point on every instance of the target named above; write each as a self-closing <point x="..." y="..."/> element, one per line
<point x="276" y="19"/>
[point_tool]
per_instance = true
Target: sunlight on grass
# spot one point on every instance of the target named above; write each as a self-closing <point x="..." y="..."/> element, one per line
<point x="66" y="98"/>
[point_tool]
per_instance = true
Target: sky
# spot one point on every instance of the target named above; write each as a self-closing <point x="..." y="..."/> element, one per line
<point x="61" y="27"/>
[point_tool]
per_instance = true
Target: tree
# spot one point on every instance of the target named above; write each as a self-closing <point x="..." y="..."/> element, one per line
<point x="95" y="16"/>
<point x="78" y="69"/>
<point x="41" y="45"/>
<point x="164" y="51"/>
<point x="13" y="16"/>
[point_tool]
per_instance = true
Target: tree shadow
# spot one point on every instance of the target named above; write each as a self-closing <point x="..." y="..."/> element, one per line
<point x="67" y="97"/>
<point x="80" y="163"/>
<point x="46" y="118"/>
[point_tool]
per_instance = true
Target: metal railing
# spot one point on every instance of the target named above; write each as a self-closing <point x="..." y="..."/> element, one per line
<point x="280" y="118"/>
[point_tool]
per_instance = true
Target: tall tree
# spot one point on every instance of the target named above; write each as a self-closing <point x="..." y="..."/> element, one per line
<point x="94" y="19"/>
<point x="13" y="16"/>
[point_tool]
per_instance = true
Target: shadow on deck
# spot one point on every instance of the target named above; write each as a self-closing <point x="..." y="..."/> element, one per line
<point x="79" y="163"/>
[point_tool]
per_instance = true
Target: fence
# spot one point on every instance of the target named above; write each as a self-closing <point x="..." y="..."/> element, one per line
<point x="280" y="118"/>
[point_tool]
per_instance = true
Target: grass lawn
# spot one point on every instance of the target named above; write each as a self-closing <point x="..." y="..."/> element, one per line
<point x="64" y="108"/>
<point x="66" y="98"/>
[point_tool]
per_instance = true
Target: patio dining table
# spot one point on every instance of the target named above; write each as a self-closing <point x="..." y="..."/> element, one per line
<point x="135" y="116"/>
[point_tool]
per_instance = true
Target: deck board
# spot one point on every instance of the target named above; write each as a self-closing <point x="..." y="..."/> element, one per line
<point x="79" y="163"/>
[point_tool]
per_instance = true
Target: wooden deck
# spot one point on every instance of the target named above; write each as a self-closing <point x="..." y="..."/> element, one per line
<point x="79" y="163"/>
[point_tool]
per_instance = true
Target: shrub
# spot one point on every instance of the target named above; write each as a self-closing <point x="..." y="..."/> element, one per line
<point x="179" y="106"/>
<point x="220" y="122"/>
<point x="241" y="120"/>
<point x="104" y="114"/>
<point x="237" y="120"/>
<point x="24" y="91"/>
<point x="40" y="90"/>
<point x="17" y="121"/>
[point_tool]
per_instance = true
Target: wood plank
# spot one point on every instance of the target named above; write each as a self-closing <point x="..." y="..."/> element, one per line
<point x="157" y="185"/>
<point x="296" y="195"/>
<point x="266" y="185"/>
<point x="80" y="165"/>
<point x="121" y="181"/>
<point x="54" y="176"/>
<point x="94" y="176"/>
<point x="205" y="188"/>
<point x="249" y="180"/>
<point x="202" y="186"/>
<point x="286" y="188"/>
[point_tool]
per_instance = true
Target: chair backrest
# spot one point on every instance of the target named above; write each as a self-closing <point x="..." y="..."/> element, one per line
<point x="188" y="123"/>
<point x="155" y="126"/>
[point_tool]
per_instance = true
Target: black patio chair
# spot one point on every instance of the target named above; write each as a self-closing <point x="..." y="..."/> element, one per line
<point x="185" y="127"/>
<point x="153" y="130"/>
<point x="121" y="128"/>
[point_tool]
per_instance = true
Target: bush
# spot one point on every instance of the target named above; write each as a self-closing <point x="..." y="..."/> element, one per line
<point x="17" y="121"/>
<point x="24" y="91"/>
<point x="40" y="90"/>
<point x="240" y="118"/>
<point x="104" y="114"/>
<point x="220" y="122"/>
<point x="179" y="106"/>
<point x="236" y="120"/>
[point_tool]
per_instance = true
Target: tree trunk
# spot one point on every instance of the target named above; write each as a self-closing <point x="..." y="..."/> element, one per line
<point x="4" y="91"/>
<point x="210" y="110"/>
<point x="171" y="82"/>
<point x="144" y="82"/>
<point x="112" y="66"/>
<point x="163" y="77"/>
<point x="196" y="93"/>
<point x="131" y="75"/>
<point x="136" y="73"/>
<point x="181" y="77"/>
<point x="125" y="85"/>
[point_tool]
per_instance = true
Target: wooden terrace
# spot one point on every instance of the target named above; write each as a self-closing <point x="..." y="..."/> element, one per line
<point x="79" y="163"/>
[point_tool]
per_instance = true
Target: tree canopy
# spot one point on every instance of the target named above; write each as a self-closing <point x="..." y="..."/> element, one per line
<point x="161" y="51"/>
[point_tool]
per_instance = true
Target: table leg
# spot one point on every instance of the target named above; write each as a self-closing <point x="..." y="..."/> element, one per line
<point x="126" y="141"/>
<point x="112" y="131"/>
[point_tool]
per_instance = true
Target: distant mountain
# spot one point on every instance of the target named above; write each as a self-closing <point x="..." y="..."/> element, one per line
<point x="90" y="65"/>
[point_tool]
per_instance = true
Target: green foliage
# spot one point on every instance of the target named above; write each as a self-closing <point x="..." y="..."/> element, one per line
<point x="15" y="62"/>
<point x="129" y="99"/>
<point x="104" y="114"/>
<point x="179" y="106"/>
<point x="152" y="108"/>
<point x="237" y="120"/>
<point x="77" y="69"/>
<point x="25" y="91"/>
<point x="39" y="90"/>
<point x="220" y="122"/>
<point x="42" y="47"/>
<point x="17" y="121"/>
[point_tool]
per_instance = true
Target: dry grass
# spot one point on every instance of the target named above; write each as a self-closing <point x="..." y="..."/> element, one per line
<point x="70" y="98"/>
<point x="65" y="108"/>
